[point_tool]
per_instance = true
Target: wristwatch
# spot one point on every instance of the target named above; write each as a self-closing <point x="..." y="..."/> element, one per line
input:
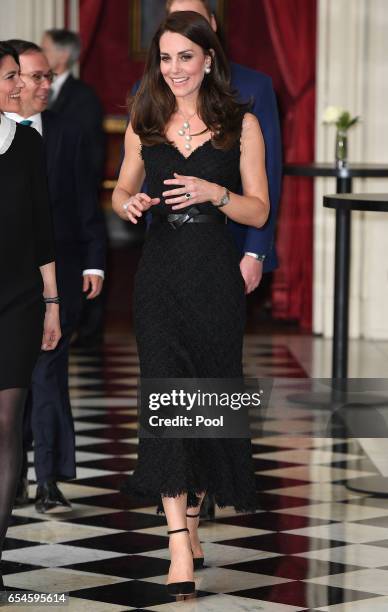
<point x="224" y="200"/>
<point x="255" y="256"/>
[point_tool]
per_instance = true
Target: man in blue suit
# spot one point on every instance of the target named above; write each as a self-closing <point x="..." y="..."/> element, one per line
<point x="256" y="245"/>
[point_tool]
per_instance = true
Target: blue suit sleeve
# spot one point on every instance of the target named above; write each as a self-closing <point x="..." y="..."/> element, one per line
<point x="91" y="224"/>
<point x="261" y="241"/>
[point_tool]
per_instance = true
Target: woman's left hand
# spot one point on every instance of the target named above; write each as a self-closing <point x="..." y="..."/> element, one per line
<point x="51" y="328"/>
<point x="200" y="191"/>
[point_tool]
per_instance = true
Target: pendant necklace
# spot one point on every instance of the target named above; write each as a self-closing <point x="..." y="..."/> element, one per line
<point x="185" y="131"/>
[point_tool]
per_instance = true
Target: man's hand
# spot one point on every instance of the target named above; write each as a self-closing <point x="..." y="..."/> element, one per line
<point x="94" y="283"/>
<point x="252" y="272"/>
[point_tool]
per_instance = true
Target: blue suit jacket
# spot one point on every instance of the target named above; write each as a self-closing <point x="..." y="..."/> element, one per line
<point x="79" y="229"/>
<point x="257" y="87"/>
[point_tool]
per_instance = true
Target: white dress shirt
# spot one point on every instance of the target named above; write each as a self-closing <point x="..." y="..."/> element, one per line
<point x="37" y="125"/>
<point x="56" y="85"/>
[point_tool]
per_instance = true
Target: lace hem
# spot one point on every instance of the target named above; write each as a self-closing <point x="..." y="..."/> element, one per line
<point x="222" y="500"/>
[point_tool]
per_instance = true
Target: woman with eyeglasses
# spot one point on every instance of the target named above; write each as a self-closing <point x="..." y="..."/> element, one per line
<point x="193" y="142"/>
<point x="29" y="311"/>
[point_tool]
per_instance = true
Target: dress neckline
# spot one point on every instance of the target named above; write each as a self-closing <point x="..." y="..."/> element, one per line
<point x="186" y="157"/>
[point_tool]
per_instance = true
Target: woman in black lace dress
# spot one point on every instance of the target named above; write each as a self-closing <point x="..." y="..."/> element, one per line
<point x="194" y="144"/>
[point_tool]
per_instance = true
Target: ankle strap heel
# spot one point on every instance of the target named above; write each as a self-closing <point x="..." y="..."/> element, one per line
<point x="177" y="531"/>
<point x="175" y="589"/>
<point x="193" y="515"/>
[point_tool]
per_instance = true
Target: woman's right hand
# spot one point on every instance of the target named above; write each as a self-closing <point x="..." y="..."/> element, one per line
<point x="51" y="328"/>
<point x="137" y="205"/>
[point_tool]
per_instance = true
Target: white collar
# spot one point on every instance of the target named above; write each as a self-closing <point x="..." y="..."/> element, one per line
<point x="7" y="133"/>
<point x="35" y="119"/>
<point x="58" y="83"/>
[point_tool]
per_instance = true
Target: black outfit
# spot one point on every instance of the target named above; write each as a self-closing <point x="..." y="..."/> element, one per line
<point x="77" y="102"/>
<point x="25" y="244"/>
<point x="80" y="244"/>
<point x="189" y="311"/>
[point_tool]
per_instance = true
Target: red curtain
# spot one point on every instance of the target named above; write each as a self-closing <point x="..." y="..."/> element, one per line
<point x="292" y="26"/>
<point x="279" y="38"/>
<point x="105" y="62"/>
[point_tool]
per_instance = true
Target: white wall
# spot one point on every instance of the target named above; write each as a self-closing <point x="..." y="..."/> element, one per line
<point x="352" y="71"/>
<point x="27" y="19"/>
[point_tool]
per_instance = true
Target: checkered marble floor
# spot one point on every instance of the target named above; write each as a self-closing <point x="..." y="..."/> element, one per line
<point x="313" y="545"/>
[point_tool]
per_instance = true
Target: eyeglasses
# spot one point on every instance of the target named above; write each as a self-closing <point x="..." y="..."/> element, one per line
<point x="39" y="77"/>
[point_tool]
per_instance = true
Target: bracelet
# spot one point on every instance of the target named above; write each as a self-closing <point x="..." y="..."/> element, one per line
<point x="51" y="300"/>
<point x="224" y="200"/>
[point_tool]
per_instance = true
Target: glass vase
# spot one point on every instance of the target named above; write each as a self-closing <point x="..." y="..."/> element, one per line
<point x="341" y="148"/>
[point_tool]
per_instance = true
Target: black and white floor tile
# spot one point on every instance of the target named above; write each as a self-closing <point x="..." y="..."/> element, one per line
<point x="313" y="546"/>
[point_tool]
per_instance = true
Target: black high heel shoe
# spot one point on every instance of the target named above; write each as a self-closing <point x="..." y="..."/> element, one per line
<point x="175" y="589"/>
<point x="198" y="561"/>
<point x="2" y="590"/>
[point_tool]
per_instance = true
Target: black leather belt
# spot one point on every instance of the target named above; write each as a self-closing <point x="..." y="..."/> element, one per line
<point x="177" y="220"/>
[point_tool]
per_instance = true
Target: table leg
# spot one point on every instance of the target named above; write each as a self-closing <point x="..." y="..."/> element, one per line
<point x="341" y="294"/>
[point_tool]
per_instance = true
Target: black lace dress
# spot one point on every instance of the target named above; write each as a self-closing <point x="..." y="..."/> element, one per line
<point x="189" y="311"/>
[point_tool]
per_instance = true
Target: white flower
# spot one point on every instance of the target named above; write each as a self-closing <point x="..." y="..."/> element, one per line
<point x="332" y="114"/>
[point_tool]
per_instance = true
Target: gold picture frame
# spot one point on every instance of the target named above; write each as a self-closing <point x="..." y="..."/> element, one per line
<point x="145" y="16"/>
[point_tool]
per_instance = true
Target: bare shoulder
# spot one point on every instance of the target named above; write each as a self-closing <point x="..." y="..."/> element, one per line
<point x="130" y="134"/>
<point x="132" y="140"/>
<point x="251" y="134"/>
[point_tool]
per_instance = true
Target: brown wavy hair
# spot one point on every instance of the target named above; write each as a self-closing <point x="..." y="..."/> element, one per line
<point x="154" y="103"/>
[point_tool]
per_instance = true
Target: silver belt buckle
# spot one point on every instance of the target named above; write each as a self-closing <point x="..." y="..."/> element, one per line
<point x="178" y="221"/>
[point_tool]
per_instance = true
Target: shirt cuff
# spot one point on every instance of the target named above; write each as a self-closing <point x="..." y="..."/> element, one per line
<point x="255" y="256"/>
<point x="96" y="272"/>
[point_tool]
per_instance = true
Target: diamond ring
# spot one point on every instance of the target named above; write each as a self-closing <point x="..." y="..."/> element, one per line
<point x="188" y="196"/>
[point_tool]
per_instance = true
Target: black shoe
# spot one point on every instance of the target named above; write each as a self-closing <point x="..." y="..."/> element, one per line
<point x="176" y="589"/>
<point x="21" y="498"/>
<point x="49" y="499"/>
<point x="3" y="592"/>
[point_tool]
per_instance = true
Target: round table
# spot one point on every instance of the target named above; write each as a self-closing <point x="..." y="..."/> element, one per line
<point x="344" y="178"/>
<point x="343" y="205"/>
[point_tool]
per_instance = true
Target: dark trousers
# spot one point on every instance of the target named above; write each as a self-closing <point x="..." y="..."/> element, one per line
<point x="91" y="323"/>
<point x="48" y="421"/>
